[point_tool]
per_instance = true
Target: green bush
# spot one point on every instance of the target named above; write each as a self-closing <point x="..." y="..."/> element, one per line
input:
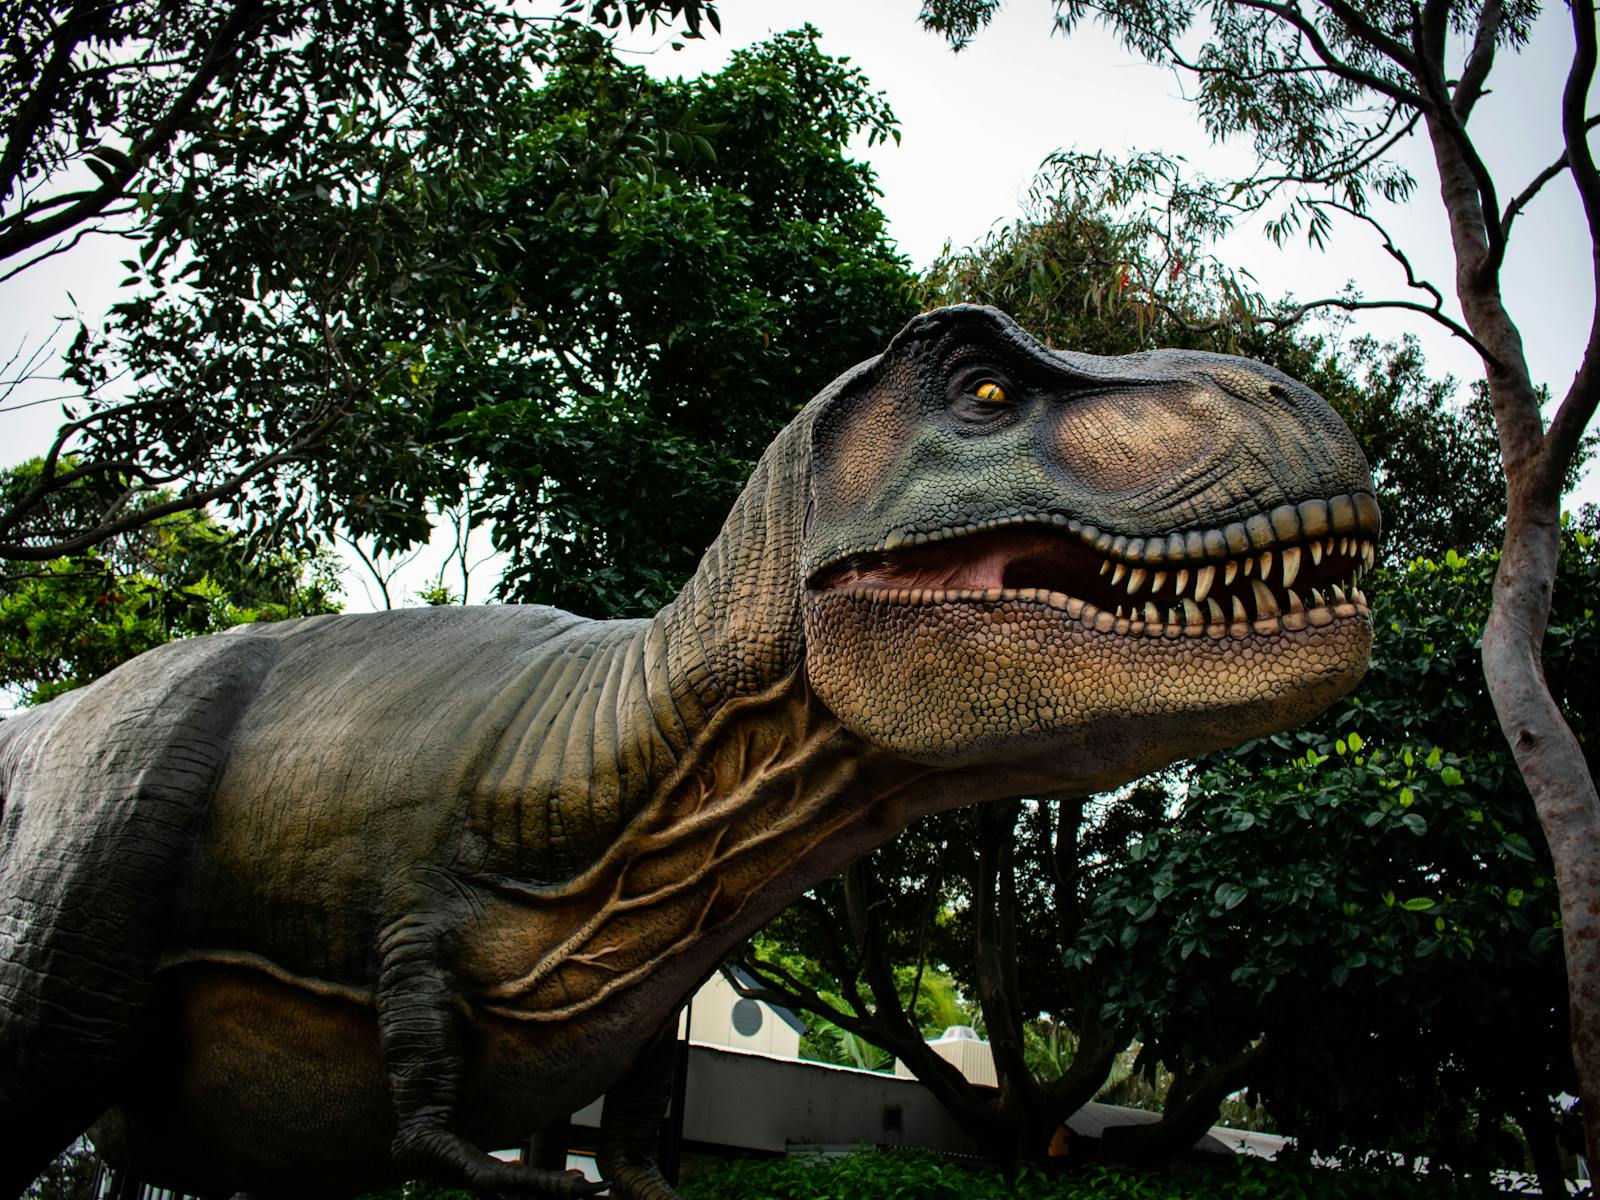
<point x="917" y="1176"/>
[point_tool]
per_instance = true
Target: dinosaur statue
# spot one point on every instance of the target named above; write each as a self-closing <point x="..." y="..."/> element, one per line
<point x="307" y="908"/>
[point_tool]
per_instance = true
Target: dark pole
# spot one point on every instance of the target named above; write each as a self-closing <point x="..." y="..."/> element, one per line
<point x="672" y="1133"/>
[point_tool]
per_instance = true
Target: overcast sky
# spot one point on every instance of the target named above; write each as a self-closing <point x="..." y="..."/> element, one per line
<point x="976" y="126"/>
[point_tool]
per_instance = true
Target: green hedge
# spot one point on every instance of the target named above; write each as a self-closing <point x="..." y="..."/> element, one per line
<point x="913" y="1176"/>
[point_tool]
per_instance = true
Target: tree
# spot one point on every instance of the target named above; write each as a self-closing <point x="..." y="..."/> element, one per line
<point x="1325" y="90"/>
<point x="127" y="117"/>
<point x="66" y="622"/>
<point x="591" y="330"/>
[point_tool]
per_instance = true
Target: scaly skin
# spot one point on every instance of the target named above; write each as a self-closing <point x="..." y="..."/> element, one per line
<point x="312" y="907"/>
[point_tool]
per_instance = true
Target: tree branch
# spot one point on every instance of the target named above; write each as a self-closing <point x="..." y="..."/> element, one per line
<point x="1332" y="61"/>
<point x="1479" y="61"/>
<point x="1545" y="176"/>
<point x="31" y="116"/>
<point x="230" y="35"/>
<point x="1578" y="406"/>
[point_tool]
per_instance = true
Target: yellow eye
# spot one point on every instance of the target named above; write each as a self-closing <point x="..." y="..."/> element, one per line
<point x="990" y="392"/>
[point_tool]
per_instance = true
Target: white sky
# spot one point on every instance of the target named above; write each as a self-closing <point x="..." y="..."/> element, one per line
<point x="976" y="125"/>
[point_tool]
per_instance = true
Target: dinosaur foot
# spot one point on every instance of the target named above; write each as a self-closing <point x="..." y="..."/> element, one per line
<point x="442" y="1156"/>
<point x="636" y="1179"/>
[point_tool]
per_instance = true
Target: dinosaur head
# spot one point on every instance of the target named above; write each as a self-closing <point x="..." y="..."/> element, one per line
<point x="1019" y="555"/>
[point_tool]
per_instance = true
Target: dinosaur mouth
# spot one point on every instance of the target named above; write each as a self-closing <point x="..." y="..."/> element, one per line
<point x="1295" y="567"/>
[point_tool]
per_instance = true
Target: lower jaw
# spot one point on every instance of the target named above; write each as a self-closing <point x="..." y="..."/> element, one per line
<point x="943" y="681"/>
<point x="1104" y="620"/>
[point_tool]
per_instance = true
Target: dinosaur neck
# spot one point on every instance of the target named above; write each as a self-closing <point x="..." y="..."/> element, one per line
<point x="622" y="704"/>
<point x="735" y="629"/>
<point x="773" y="795"/>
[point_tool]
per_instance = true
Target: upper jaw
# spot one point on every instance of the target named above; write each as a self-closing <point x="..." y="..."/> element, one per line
<point x="1294" y="566"/>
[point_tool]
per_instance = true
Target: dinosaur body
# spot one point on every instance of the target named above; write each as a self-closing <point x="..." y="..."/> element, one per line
<point x="314" y="906"/>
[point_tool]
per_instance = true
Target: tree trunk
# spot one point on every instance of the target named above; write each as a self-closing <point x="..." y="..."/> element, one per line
<point x="1188" y="1114"/>
<point x="1539" y="1131"/>
<point x="1553" y="767"/>
<point x="1546" y="753"/>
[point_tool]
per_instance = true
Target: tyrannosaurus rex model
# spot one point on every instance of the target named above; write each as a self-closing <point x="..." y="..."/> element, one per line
<point x="309" y="907"/>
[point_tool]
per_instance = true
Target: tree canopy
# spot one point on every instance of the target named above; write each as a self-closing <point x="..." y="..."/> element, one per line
<point x="131" y="117"/>
<point x="66" y="622"/>
<point x="590" y="319"/>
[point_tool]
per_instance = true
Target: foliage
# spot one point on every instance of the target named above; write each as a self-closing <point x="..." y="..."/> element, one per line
<point x="1367" y="906"/>
<point x="140" y="117"/>
<point x="71" y="1176"/>
<point x="65" y="622"/>
<point x="591" y="317"/>
<point x="871" y="1175"/>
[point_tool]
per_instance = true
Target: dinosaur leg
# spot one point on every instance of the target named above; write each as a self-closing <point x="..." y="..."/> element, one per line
<point x="630" y="1125"/>
<point x="418" y="1025"/>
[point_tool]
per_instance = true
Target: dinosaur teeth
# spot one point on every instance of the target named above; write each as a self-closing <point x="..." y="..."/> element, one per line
<point x="1181" y="584"/>
<point x="1266" y="564"/>
<point x="1290" y="561"/>
<point x="1118" y="574"/>
<point x="1136" y="579"/>
<point x="1316" y="554"/>
<point x="1105" y="565"/>
<point x="1203" y="579"/>
<point x="1230" y="572"/>
<point x="1266" y="603"/>
<point x="1158" y="581"/>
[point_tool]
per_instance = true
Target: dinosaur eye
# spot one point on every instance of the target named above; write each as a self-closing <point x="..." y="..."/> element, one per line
<point x="990" y="392"/>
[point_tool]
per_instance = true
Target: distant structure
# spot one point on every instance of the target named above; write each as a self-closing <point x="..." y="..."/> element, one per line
<point x="962" y="1048"/>
<point x="719" y="1016"/>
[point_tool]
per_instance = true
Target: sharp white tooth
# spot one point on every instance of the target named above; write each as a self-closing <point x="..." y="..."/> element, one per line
<point x="1120" y="612"/>
<point x="1294" y="603"/>
<point x="1316" y="553"/>
<point x="1151" y="615"/>
<point x="1203" y="579"/>
<point x="1116" y="576"/>
<point x="1338" y="595"/>
<point x="1344" y="547"/>
<point x="1327" y="547"/>
<point x="1359" y="597"/>
<point x="1136" y="579"/>
<point x="1318" y="599"/>
<point x="1230" y="572"/>
<point x="1266" y="604"/>
<point x="1182" y="584"/>
<point x="1369" y="555"/>
<point x="1191" y="613"/>
<point x="1266" y="564"/>
<point x="1291" y="565"/>
<point x="1214" y="610"/>
<point x="1249" y="567"/>
<point x="1105" y="565"/>
<point x="1159" y="579"/>
<point x="1238" y="610"/>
